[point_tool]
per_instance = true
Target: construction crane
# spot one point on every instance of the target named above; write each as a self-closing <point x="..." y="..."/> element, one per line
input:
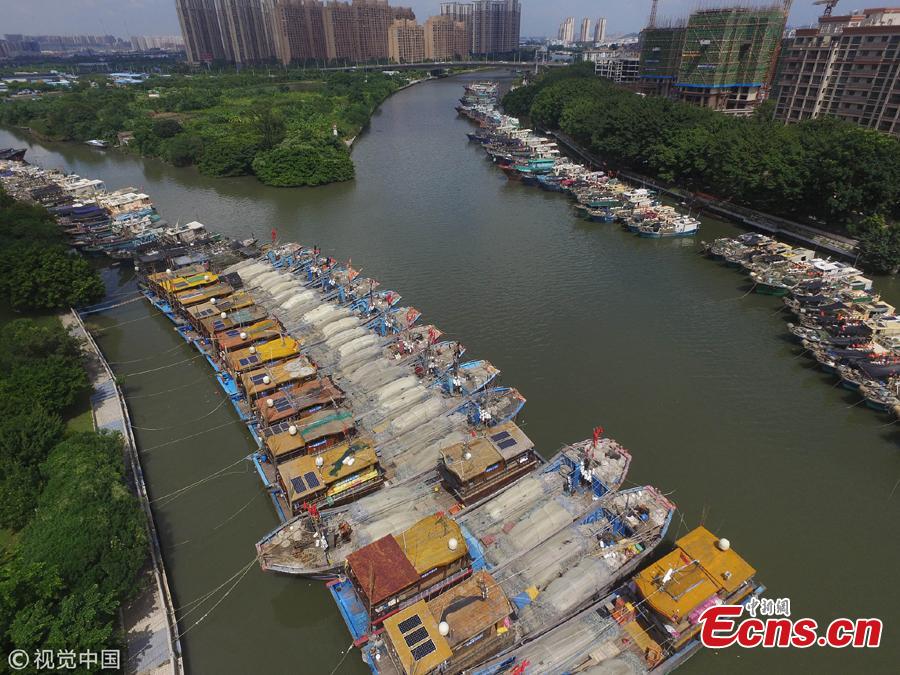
<point x="652" y="22"/>
<point x="829" y="5"/>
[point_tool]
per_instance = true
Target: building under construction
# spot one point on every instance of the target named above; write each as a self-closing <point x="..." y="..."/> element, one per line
<point x="720" y="58"/>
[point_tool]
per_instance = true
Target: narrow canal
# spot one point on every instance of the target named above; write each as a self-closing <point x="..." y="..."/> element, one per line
<point x="662" y="347"/>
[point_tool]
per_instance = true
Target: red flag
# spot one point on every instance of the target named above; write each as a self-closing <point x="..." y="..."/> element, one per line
<point x="274" y="235"/>
<point x="519" y="669"/>
<point x="598" y="432"/>
<point x="432" y="336"/>
<point x="410" y="316"/>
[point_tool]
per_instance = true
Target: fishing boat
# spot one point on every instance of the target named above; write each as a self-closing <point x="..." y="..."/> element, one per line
<point x="13" y="154"/>
<point x="97" y="143"/>
<point x="550" y="583"/>
<point x="650" y="623"/>
<point x="318" y="546"/>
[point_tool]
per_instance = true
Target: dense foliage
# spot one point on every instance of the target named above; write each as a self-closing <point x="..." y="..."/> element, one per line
<point x="37" y="270"/>
<point x="828" y="172"/>
<point x="80" y="538"/>
<point x="288" y="128"/>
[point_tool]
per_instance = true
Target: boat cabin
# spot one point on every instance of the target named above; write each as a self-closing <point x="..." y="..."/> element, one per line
<point x="178" y="284"/>
<point x="273" y="376"/>
<point x="305" y="397"/>
<point x="158" y="281"/>
<point x="233" y="319"/>
<point x="451" y="633"/>
<point x="254" y="356"/>
<point x="213" y="310"/>
<point x="308" y="435"/>
<point x="236" y="339"/>
<point x="701" y="572"/>
<point x="337" y="476"/>
<point x="479" y="467"/>
<point x="398" y="570"/>
<point x="195" y="296"/>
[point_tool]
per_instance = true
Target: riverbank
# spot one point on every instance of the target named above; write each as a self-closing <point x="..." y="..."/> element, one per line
<point x="151" y="630"/>
<point x="754" y="220"/>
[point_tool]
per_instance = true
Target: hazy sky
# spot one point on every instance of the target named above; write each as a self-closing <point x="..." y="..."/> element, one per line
<point x="157" y="17"/>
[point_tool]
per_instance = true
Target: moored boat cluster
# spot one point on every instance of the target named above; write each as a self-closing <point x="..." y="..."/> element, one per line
<point x="534" y="159"/>
<point x="401" y="477"/>
<point x="840" y="321"/>
<point x="116" y="223"/>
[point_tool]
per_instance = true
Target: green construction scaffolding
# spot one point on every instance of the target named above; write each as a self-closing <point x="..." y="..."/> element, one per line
<point x="729" y="47"/>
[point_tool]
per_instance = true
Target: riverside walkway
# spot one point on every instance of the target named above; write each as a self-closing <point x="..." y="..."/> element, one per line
<point x="151" y="631"/>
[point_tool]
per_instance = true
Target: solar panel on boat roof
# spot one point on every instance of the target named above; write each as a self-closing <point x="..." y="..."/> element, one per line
<point x="508" y="443"/>
<point x="282" y="404"/>
<point x="219" y="325"/>
<point x="311" y="479"/>
<point x="298" y="485"/>
<point x="416" y="636"/>
<point x="499" y="437"/>
<point x="423" y="650"/>
<point x="257" y="379"/>
<point x="410" y="623"/>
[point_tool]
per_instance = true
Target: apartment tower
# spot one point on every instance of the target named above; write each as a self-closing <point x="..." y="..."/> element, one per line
<point x="848" y="67"/>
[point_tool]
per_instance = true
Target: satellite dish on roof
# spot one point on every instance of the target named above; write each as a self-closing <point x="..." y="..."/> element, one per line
<point x="222" y="315"/>
<point x="270" y="402"/>
<point x="444" y="628"/>
<point x="212" y="301"/>
<point x="243" y="335"/>
<point x="452" y="543"/>
<point x="266" y="379"/>
<point x="252" y="350"/>
<point x="320" y="461"/>
<point x="292" y="430"/>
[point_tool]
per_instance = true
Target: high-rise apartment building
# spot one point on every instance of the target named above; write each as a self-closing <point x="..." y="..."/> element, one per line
<point x="848" y="67"/>
<point x="495" y="26"/>
<point x="566" y="31"/>
<point x="200" y="29"/>
<point x="445" y="39"/>
<point x="464" y="12"/>
<point x="248" y="30"/>
<point x="255" y="31"/>
<point x="600" y="30"/>
<point x="721" y="58"/>
<point x="300" y="31"/>
<point x="406" y="41"/>
<point x="584" y="35"/>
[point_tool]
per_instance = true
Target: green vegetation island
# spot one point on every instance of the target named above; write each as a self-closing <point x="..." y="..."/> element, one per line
<point x="824" y="172"/>
<point x="72" y="533"/>
<point x="287" y="127"/>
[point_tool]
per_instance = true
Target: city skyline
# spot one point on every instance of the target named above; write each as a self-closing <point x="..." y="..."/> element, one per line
<point x="124" y="18"/>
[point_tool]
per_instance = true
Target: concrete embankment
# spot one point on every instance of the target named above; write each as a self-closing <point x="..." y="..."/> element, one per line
<point x="151" y="630"/>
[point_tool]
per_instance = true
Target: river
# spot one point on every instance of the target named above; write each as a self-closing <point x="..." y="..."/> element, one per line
<point x="660" y="346"/>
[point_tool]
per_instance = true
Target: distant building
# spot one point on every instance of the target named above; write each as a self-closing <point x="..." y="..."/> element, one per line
<point x="848" y="67"/>
<point x="406" y="41"/>
<point x="566" y="33"/>
<point x="495" y="26"/>
<point x="721" y="59"/>
<point x="463" y="12"/>
<point x="248" y="30"/>
<point x="600" y="30"/>
<point x="200" y="29"/>
<point x="300" y="31"/>
<point x="146" y="43"/>
<point x="256" y="31"/>
<point x="584" y="35"/>
<point x="445" y="39"/>
<point x="621" y="69"/>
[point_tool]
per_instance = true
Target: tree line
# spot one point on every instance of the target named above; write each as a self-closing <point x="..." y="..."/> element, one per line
<point x="287" y="129"/>
<point x="73" y="539"/>
<point x="826" y="172"/>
